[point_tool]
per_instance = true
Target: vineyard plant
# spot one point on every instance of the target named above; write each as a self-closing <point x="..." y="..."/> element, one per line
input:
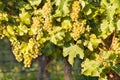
<point x="88" y="29"/>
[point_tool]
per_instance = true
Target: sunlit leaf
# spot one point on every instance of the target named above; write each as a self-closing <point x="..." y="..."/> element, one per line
<point x="90" y="46"/>
<point x="33" y="30"/>
<point x="72" y="52"/>
<point x="63" y="8"/>
<point x="91" y="68"/>
<point x="10" y="30"/>
<point x="34" y="2"/>
<point x="25" y="17"/>
<point x="118" y="25"/>
<point x="66" y="24"/>
<point x="94" y="40"/>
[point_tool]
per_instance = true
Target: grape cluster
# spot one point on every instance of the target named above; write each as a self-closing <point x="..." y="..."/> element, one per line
<point x="26" y="51"/>
<point x="76" y="8"/>
<point x="37" y="25"/>
<point x="78" y="29"/>
<point x="32" y="52"/>
<point x="78" y="24"/>
<point x="36" y="22"/>
<point x="16" y="49"/>
<point x="46" y="13"/>
<point x="27" y="60"/>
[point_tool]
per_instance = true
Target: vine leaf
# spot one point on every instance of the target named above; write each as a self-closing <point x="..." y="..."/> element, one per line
<point x="118" y="25"/>
<point x="10" y="30"/>
<point x="72" y="52"/>
<point x="63" y="8"/>
<point x="91" y="68"/>
<point x="94" y="41"/>
<point x="33" y="30"/>
<point x="34" y="2"/>
<point x="22" y="29"/>
<point x="116" y="68"/>
<point x="66" y="24"/>
<point x="25" y="17"/>
<point x="57" y="38"/>
<point x="104" y="27"/>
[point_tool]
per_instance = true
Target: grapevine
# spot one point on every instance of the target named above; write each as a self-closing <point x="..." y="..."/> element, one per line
<point x="87" y="28"/>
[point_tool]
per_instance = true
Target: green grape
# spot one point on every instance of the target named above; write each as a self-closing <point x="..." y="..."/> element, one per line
<point x="46" y="13"/>
<point x="27" y="60"/>
<point x="78" y="29"/>
<point x="32" y="52"/>
<point x="16" y="50"/>
<point x="76" y="8"/>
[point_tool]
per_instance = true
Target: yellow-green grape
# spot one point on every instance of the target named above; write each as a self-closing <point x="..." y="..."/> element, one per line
<point x="36" y="22"/>
<point x="36" y="27"/>
<point x="46" y="13"/>
<point x="46" y="9"/>
<point x="34" y="49"/>
<point x="27" y="60"/>
<point x="47" y="24"/>
<point x="76" y="8"/>
<point x="78" y="29"/>
<point x="26" y="51"/>
<point x="32" y="52"/>
<point x="16" y="51"/>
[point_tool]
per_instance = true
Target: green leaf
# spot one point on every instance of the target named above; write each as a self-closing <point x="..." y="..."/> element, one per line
<point x="116" y="68"/>
<point x="24" y="48"/>
<point x="93" y="39"/>
<point x="49" y="48"/>
<point x="66" y="24"/>
<point x="91" y="68"/>
<point x="34" y="2"/>
<point x="90" y="46"/>
<point x="22" y="29"/>
<point x="87" y="9"/>
<point x="91" y="10"/>
<point x="63" y="8"/>
<point x="103" y="76"/>
<point x="10" y="30"/>
<point x="25" y="17"/>
<point x="72" y="51"/>
<point x="57" y="2"/>
<point x="112" y="56"/>
<point x="111" y="26"/>
<point x="109" y="56"/>
<point x="57" y="38"/>
<point x="104" y="27"/>
<point x="111" y="7"/>
<point x="33" y="30"/>
<point x="5" y="32"/>
<point x="118" y="25"/>
<point x="1" y="5"/>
